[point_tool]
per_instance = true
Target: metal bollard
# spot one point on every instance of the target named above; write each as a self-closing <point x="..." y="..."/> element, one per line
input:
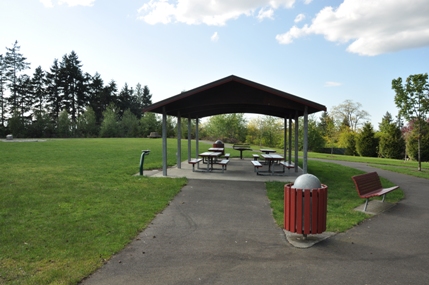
<point x="144" y="152"/>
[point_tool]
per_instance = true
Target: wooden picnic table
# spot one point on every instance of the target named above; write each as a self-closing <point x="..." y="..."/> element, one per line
<point x="241" y="147"/>
<point x="267" y="151"/>
<point x="271" y="159"/>
<point x="217" y="149"/>
<point x="211" y="157"/>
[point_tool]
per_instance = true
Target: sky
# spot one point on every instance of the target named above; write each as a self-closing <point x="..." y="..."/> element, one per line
<point x="326" y="51"/>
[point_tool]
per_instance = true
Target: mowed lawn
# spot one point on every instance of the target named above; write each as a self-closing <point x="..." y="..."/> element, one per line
<point x="68" y="205"/>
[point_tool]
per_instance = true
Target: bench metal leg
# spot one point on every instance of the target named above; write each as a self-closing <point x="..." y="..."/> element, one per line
<point x="366" y="205"/>
<point x="384" y="196"/>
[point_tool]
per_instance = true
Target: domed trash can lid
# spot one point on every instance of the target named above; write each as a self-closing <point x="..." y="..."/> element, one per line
<point x="307" y="181"/>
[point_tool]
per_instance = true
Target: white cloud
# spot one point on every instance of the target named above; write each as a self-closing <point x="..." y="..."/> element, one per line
<point x="215" y="37"/>
<point x="47" y="3"/>
<point x="265" y="13"/>
<point x="370" y="27"/>
<point x="209" y="12"/>
<point x="306" y="2"/>
<point x="332" y="84"/>
<point x="299" y="18"/>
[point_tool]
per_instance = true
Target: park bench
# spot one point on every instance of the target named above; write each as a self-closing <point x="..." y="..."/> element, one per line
<point x="223" y="163"/>
<point x="257" y="165"/>
<point x="241" y="147"/>
<point x="195" y="161"/>
<point x="369" y="185"/>
<point x="255" y="156"/>
<point x="227" y="155"/>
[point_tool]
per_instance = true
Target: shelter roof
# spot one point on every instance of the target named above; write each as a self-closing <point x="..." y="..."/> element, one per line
<point x="234" y="94"/>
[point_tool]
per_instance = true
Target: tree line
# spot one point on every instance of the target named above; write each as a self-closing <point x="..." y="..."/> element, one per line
<point x="65" y="101"/>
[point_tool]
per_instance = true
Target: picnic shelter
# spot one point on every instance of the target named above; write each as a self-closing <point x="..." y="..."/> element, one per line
<point x="234" y="94"/>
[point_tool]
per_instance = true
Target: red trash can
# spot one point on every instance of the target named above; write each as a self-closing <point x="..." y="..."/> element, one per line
<point x="305" y="210"/>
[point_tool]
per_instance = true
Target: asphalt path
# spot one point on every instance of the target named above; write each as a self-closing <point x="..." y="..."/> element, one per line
<point x="222" y="232"/>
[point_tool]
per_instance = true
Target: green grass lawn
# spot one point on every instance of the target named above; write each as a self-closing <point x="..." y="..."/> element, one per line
<point x="68" y="205"/>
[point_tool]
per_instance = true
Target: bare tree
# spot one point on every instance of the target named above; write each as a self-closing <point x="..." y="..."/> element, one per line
<point x="351" y="113"/>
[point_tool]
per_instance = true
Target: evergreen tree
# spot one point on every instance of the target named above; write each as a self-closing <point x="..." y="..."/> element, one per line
<point x="73" y="86"/>
<point x="15" y="62"/>
<point x="392" y="144"/>
<point x="53" y="91"/>
<point x="124" y="99"/>
<point x="16" y="125"/>
<point x="39" y="91"/>
<point x="147" y="97"/>
<point x="24" y="97"/>
<point x="366" y="142"/>
<point x="2" y="92"/>
<point x="351" y="144"/>
<point x="386" y="121"/>
<point x="96" y="92"/>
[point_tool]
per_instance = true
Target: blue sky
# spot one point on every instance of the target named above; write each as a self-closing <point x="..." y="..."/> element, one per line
<point x="324" y="51"/>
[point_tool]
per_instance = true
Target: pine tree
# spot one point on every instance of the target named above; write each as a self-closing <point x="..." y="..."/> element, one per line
<point x="124" y="99"/>
<point x="96" y="92"/>
<point x="147" y="97"/>
<point x="24" y="97"/>
<point x="15" y="62"/>
<point x="53" y="91"/>
<point x="39" y="91"/>
<point x="366" y="143"/>
<point x="73" y="86"/>
<point x="2" y="92"/>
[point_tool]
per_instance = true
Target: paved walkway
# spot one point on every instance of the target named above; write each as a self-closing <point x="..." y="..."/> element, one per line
<point x="222" y="232"/>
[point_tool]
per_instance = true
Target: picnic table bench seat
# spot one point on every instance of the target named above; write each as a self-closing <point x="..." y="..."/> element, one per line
<point x="255" y="156"/>
<point x="287" y="164"/>
<point x="256" y="165"/>
<point x="195" y="161"/>
<point x="223" y="163"/>
<point x="369" y="185"/>
<point x="227" y="155"/>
